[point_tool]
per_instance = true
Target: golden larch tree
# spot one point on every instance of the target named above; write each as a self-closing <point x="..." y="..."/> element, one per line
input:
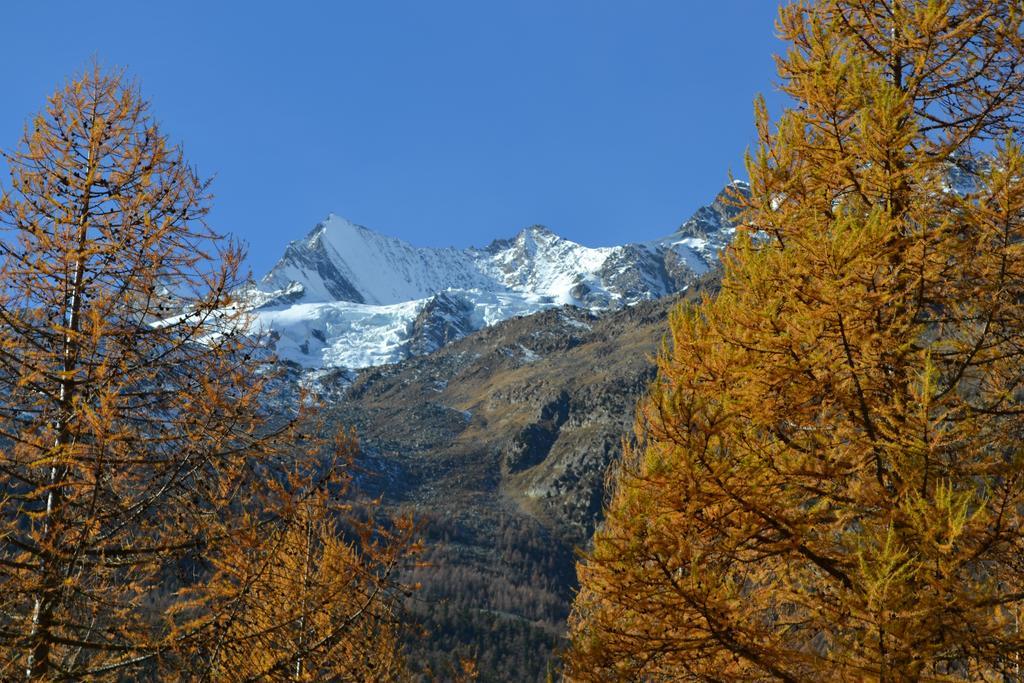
<point x="139" y="462"/>
<point x="828" y="476"/>
<point x="310" y="597"/>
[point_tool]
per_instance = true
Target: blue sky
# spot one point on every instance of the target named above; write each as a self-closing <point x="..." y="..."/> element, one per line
<point x="443" y="122"/>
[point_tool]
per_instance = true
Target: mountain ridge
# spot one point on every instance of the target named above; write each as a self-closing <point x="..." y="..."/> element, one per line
<point x="346" y="296"/>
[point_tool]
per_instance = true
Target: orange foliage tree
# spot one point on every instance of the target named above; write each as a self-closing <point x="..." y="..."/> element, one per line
<point x="828" y="481"/>
<point x="146" y="491"/>
<point x="308" y="598"/>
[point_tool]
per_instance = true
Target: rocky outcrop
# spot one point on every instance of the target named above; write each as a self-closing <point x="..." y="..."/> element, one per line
<point x="712" y="227"/>
<point x="445" y="318"/>
<point x="717" y="217"/>
<point x="532" y="444"/>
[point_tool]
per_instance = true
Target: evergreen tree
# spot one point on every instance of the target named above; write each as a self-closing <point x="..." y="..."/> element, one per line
<point x="828" y="480"/>
<point x="140" y="472"/>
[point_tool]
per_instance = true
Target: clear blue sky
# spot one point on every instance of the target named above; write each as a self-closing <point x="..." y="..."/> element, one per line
<point x="444" y="122"/>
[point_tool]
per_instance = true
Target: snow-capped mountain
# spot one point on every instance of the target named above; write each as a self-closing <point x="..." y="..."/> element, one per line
<point x="346" y="296"/>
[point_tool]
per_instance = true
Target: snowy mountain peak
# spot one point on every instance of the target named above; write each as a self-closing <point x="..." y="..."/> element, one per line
<point x="342" y="261"/>
<point x="334" y="226"/>
<point x="348" y="296"/>
<point x="535" y="232"/>
<point x="339" y="232"/>
<point x="720" y="215"/>
<point x="525" y="238"/>
<point x="332" y="223"/>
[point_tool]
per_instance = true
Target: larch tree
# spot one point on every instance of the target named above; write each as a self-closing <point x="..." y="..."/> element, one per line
<point x="828" y="477"/>
<point x="309" y="598"/>
<point x="144" y="483"/>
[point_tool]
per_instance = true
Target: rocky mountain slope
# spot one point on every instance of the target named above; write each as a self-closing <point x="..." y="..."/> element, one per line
<point x="490" y="388"/>
<point x="499" y="443"/>
<point x="345" y="296"/>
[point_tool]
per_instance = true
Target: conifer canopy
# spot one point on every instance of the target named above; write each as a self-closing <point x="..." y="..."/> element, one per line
<point x="828" y="477"/>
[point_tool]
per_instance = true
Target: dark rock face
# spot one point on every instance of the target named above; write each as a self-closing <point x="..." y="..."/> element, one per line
<point x="533" y="443"/>
<point x="638" y="272"/>
<point x="445" y="318"/>
<point x="720" y="214"/>
<point x="714" y="224"/>
<point x="499" y="442"/>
